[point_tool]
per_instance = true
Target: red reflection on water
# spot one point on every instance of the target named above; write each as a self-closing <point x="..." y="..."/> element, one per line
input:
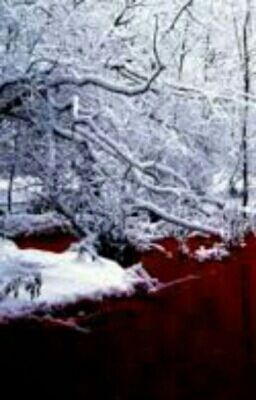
<point x="54" y="241"/>
<point x="194" y="339"/>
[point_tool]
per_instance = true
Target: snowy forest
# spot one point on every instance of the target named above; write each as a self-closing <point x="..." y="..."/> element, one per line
<point x="128" y="118"/>
<point x="125" y="124"/>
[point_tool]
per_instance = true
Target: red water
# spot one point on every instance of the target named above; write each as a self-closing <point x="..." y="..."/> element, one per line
<point x="193" y="339"/>
<point x="54" y="241"/>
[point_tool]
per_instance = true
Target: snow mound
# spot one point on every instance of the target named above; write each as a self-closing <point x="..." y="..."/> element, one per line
<point x="34" y="279"/>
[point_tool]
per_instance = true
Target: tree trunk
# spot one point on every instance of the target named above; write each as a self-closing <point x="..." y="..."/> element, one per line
<point x="247" y="88"/>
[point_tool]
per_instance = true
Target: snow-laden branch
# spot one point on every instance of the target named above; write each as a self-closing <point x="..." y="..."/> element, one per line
<point x="113" y="87"/>
<point x="102" y="83"/>
<point x="180" y="193"/>
<point x="212" y="96"/>
<point x="180" y="12"/>
<point x="100" y="139"/>
<point x="165" y="215"/>
<point x="147" y="168"/>
<point x="121" y="18"/>
<point x="109" y="145"/>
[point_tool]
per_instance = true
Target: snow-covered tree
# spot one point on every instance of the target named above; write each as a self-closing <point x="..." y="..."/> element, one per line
<point x="128" y="113"/>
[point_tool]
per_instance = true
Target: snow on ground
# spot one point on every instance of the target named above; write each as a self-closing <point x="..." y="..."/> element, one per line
<point x="65" y="278"/>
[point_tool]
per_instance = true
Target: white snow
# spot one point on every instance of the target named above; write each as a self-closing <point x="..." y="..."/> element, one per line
<point x="66" y="277"/>
<point x="24" y="189"/>
<point x="217" y="252"/>
<point x="17" y="224"/>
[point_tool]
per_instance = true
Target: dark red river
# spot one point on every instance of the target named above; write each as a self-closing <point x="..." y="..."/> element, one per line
<point x="195" y="338"/>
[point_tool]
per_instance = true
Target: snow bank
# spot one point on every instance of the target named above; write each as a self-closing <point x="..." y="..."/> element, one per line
<point x="32" y="279"/>
<point x="26" y="224"/>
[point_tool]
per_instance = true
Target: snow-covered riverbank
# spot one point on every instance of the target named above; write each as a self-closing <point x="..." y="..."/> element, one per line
<point x="32" y="279"/>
